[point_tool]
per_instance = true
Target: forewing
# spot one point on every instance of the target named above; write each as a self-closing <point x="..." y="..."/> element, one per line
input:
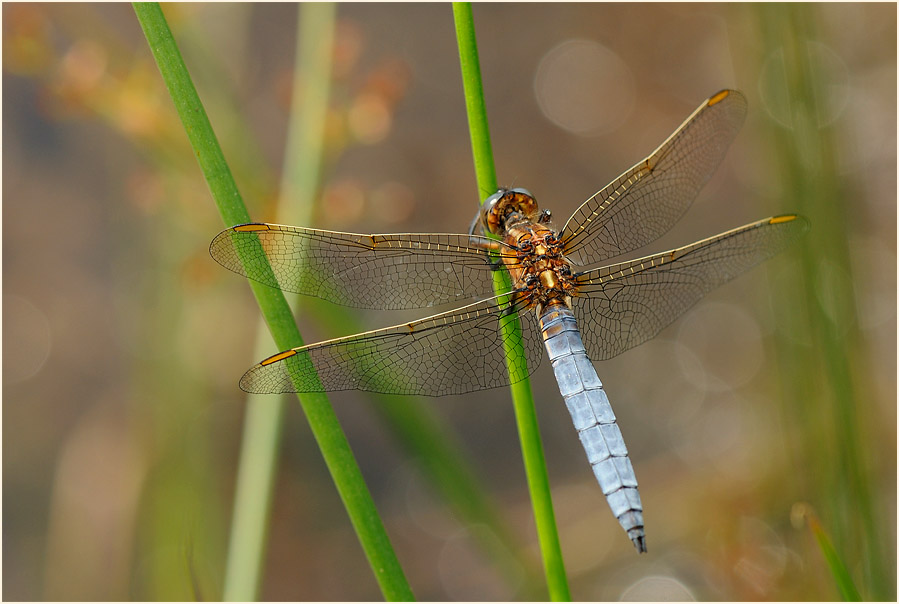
<point x="451" y="353"/>
<point x="364" y="271"/>
<point x="644" y="202"/>
<point x="623" y="305"/>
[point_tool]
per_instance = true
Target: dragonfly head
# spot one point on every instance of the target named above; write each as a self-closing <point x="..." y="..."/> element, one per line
<point x="498" y="207"/>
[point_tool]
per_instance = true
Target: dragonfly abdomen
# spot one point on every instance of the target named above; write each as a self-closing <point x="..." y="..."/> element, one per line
<point x="594" y="420"/>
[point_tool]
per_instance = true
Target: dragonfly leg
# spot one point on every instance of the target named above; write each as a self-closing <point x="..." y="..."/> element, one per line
<point x="475" y="222"/>
<point x="519" y="299"/>
<point x="485" y="244"/>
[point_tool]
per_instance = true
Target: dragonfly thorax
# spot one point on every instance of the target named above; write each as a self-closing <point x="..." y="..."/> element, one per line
<point x="540" y="272"/>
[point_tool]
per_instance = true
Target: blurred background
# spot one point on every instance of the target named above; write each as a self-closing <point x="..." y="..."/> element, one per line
<point x="123" y="341"/>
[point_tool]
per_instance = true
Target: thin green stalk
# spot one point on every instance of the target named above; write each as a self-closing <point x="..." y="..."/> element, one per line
<point x="322" y="420"/>
<point x="835" y="413"/>
<point x="522" y="397"/>
<point x="845" y="584"/>
<point x="264" y="414"/>
<point x="257" y="467"/>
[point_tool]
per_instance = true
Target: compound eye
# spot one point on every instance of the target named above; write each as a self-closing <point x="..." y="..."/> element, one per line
<point x="491" y="201"/>
<point x="522" y="191"/>
<point x="488" y="206"/>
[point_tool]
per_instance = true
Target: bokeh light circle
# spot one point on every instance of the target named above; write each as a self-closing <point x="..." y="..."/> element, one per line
<point x="831" y="85"/>
<point x="729" y="342"/>
<point x="658" y="588"/>
<point x="584" y="87"/>
<point x="26" y="339"/>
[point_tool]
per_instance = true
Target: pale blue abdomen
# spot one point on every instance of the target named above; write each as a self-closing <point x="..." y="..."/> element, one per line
<point x="594" y="420"/>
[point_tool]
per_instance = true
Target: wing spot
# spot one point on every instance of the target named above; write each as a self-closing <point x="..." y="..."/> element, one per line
<point x="278" y="357"/>
<point x="718" y="97"/>
<point x="780" y="219"/>
<point x="250" y="228"/>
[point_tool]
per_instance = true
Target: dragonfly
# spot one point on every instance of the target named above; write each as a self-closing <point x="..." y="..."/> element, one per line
<point x="566" y="310"/>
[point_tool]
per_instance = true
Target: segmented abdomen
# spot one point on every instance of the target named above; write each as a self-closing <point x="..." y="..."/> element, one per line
<point x="594" y="420"/>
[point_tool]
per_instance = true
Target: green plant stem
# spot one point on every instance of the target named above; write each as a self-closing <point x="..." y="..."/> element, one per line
<point x="264" y="413"/>
<point x="803" y="513"/>
<point x="322" y="420"/>
<point x="522" y="397"/>
<point x="837" y="568"/>
<point x="257" y="467"/>
<point x="826" y="391"/>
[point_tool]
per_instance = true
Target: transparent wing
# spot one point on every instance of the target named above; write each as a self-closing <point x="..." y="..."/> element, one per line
<point x="364" y="271"/>
<point x="622" y="305"/>
<point x="450" y="353"/>
<point x="644" y="202"/>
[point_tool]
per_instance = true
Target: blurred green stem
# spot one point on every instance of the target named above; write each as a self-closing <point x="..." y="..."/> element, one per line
<point x="300" y="176"/>
<point x="845" y="584"/>
<point x="826" y="385"/>
<point x="328" y="433"/>
<point x="523" y="400"/>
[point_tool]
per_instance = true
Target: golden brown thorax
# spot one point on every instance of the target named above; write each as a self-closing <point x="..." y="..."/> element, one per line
<point x="540" y="272"/>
